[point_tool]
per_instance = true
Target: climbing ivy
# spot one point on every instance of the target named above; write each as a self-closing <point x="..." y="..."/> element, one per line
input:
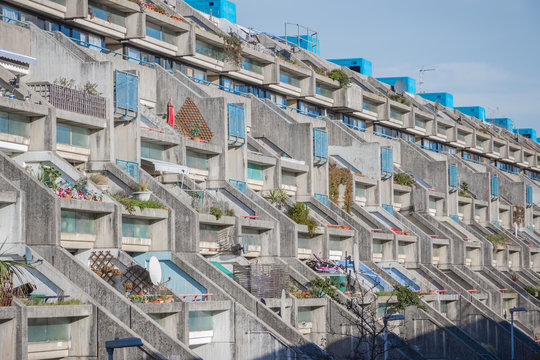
<point x="340" y="176"/>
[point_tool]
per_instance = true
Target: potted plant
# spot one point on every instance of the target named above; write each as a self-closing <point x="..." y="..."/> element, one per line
<point x="142" y="192"/>
<point x="195" y="132"/>
<point x="101" y="181"/>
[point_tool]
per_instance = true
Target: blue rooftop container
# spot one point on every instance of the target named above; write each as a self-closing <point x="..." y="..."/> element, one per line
<point x="502" y="122"/>
<point x="223" y="9"/>
<point x="359" y="65"/>
<point x="476" y="111"/>
<point x="444" y="98"/>
<point x="309" y="43"/>
<point x="527" y="132"/>
<point x="410" y="83"/>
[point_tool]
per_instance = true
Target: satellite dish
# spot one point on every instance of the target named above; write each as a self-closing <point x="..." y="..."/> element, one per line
<point x="400" y="87"/>
<point x="154" y="268"/>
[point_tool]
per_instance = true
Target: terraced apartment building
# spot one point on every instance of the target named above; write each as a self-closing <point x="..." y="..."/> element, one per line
<point x="135" y="133"/>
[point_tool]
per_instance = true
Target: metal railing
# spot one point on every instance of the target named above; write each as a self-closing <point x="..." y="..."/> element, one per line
<point x="240" y="185"/>
<point x="10" y="19"/>
<point x="131" y="168"/>
<point x="221" y="87"/>
<point x="72" y="100"/>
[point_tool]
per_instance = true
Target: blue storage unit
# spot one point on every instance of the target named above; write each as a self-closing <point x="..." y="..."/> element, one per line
<point x="387" y="162"/>
<point x="359" y="65"/>
<point x="180" y="282"/>
<point x="453" y="180"/>
<point x="494" y="187"/>
<point x="502" y="122"/>
<point x="476" y="111"/>
<point x="410" y="83"/>
<point x="526" y="132"/>
<point x="223" y="9"/>
<point x="444" y="98"/>
<point x="529" y="195"/>
<point x="308" y="42"/>
<point x="320" y="147"/>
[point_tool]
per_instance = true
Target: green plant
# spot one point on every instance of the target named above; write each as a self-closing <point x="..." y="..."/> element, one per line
<point x="299" y="213"/>
<point x="48" y="176"/>
<point x="404" y="179"/>
<point x="497" y="240"/>
<point x="9" y="269"/>
<point x="340" y="176"/>
<point x="62" y="81"/>
<point x="216" y="212"/>
<point x="397" y="97"/>
<point x="484" y="131"/>
<point x="99" y="179"/>
<point x="130" y="204"/>
<point x="159" y="9"/>
<point x="194" y="131"/>
<point x="531" y="290"/>
<point x="341" y="77"/>
<point x="80" y="185"/>
<point x="232" y="48"/>
<point x="319" y="288"/>
<point x="143" y="186"/>
<point x="406" y="297"/>
<point x="90" y="88"/>
<point x="228" y="212"/>
<point x="322" y="72"/>
<point x="276" y="197"/>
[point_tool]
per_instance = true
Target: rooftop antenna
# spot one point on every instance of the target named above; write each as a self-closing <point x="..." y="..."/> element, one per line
<point x="421" y="77"/>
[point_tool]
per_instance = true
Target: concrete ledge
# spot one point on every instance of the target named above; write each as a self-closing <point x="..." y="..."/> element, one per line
<point x="8" y="197"/>
<point x="209" y="305"/>
<point x="87" y="206"/>
<point x="56" y="311"/>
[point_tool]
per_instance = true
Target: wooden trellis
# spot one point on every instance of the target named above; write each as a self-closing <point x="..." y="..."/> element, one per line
<point x="100" y="263"/>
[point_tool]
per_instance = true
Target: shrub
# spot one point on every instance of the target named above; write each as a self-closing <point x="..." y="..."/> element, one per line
<point x="340" y="76"/>
<point x="341" y="176"/>
<point x="404" y="179"/>
<point x="406" y="297"/>
<point x="497" y="240"/>
<point x="130" y="204"/>
<point x="277" y="197"/>
<point x="319" y="288"/>
<point x="216" y="212"/>
<point x="299" y="213"/>
<point x="399" y="98"/>
<point x="99" y="179"/>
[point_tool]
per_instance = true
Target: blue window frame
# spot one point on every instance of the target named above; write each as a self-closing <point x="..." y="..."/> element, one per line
<point x="354" y="123"/>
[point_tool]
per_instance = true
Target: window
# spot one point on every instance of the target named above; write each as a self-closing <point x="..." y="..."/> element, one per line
<point x="208" y="50"/>
<point x="441" y="130"/>
<point x="396" y="114"/>
<point x="106" y="13"/>
<point x="13" y="124"/>
<point x="255" y="171"/>
<point x="304" y="242"/>
<point x="377" y="246"/>
<point x="461" y="136"/>
<point x="354" y="123"/>
<point x="72" y="135"/>
<point x="369" y="106"/>
<point x="152" y="151"/>
<point x="160" y="33"/>
<point x="421" y="123"/>
<point x="402" y="248"/>
<point x="196" y="160"/>
<point x="360" y="191"/>
<point x="288" y="178"/>
<point x="324" y="91"/>
<point x="432" y="203"/>
<point x="334" y="243"/>
<point x="201" y="321"/>
<point x="77" y="222"/>
<point x="288" y="78"/>
<point x="136" y="228"/>
<point x="476" y="211"/>
<point x="252" y="65"/>
<point x="304" y="315"/>
<point x="48" y="330"/>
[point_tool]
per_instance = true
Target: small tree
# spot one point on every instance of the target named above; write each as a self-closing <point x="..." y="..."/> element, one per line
<point x="10" y="270"/>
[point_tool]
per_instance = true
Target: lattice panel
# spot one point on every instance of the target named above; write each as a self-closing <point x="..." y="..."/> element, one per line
<point x="140" y="278"/>
<point x="189" y="116"/>
<point x="101" y="263"/>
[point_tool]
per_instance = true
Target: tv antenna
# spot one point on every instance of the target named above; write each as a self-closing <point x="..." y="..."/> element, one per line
<point x="421" y="77"/>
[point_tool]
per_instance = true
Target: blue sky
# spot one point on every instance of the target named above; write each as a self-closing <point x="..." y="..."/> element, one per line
<point x="485" y="52"/>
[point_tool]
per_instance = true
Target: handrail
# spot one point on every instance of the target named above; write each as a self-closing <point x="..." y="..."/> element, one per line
<point x="126" y="57"/>
<point x="224" y="88"/>
<point x="24" y="24"/>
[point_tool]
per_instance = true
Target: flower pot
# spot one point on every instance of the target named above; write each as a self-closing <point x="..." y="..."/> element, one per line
<point x="196" y="138"/>
<point x="142" y="195"/>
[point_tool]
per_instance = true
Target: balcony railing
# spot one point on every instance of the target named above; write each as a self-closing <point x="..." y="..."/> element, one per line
<point x="322" y="198"/>
<point x="129" y="167"/>
<point x="240" y="185"/>
<point x="14" y="21"/>
<point x="72" y="100"/>
<point x="389" y="208"/>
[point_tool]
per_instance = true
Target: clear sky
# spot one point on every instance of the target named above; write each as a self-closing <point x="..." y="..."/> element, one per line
<point x="485" y="52"/>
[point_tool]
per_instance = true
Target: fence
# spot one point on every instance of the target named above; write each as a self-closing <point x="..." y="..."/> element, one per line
<point x="263" y="280"/>
<point x="320" y="146"/>
<point x="237" y="125"/>
<point x="203" y="200"/>
<point x="72" y="100"/>
<point x="129" y="167"/>
<point x="126" y="93"/>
